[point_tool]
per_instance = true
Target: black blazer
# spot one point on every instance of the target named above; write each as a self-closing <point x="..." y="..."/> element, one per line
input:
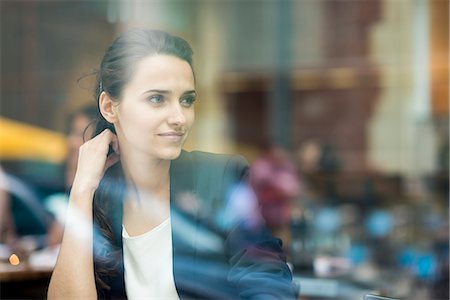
<point x="221" y="248"/>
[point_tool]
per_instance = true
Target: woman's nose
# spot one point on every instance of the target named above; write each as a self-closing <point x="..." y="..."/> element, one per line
<point x="176" y="115"/>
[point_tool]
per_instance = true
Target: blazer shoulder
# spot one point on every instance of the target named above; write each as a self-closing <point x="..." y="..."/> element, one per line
<point x="218" y="164"/>
<point x="214" y="178"/>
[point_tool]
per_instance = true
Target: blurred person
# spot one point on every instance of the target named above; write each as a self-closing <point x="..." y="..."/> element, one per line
<point x="308" y="156"/>
<point x="329" y="161"/>
<point x="276" y="184"/>
<point x="78" y="128"/>
<point x="145" y="218"/>
<point x="320" y="164"/>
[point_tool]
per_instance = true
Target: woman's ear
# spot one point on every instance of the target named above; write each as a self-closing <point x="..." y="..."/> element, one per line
<point x="107" y="107"/>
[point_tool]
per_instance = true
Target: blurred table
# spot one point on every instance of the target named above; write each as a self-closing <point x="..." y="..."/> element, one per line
<point x="21" y="272"/>
<point x="23" y="281"/>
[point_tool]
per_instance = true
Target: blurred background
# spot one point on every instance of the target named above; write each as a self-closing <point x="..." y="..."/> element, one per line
<point x="340" y="106"/>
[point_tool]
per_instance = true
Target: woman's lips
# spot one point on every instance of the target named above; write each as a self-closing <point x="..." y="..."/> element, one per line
<point x="172" y="136"/>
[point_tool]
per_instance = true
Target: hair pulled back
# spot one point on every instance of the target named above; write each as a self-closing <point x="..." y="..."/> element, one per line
<point x="116" y="70"/>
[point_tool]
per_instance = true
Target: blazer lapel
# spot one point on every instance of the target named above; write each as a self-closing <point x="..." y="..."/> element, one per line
<point x="184" y="221"/>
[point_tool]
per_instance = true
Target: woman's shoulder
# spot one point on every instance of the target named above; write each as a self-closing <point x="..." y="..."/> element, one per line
<point x="215" y="163"/>
<point x="214" y="158"/>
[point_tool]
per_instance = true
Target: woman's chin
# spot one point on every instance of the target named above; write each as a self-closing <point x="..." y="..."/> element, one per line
<point x="171" y="154"/>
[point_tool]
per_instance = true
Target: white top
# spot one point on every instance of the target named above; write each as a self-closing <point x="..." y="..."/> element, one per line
<point x="148" y="264"/>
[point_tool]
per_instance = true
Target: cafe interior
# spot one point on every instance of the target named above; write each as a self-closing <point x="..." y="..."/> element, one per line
<point x="347" y="100"/>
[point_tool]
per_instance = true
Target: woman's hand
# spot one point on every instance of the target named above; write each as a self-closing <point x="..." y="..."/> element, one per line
<point x="73" y="276"/>
<point x="93" y="161"/>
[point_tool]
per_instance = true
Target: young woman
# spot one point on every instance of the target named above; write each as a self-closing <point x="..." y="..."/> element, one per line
<point x="147" y="219"/>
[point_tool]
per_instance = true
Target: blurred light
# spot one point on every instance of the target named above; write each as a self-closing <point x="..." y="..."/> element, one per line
<point x="23" y="141"/>
<point x="426" y="266"/>
<point x="379" y="223"/>
<point x="328" y="220"/>
<point x="406" y="257"/>
<point x="358" y="254"/>
<point x="342" y="78"/>
<point x="325" y="266"/>
<point x="14" y="259"/>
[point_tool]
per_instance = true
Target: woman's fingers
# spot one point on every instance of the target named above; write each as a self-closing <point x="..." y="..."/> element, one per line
<point x="94" y="160"/>
<point x="112" y="139"/>
<point x="112" y="159"/>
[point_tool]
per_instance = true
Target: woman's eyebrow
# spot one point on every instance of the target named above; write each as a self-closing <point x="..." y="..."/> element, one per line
<point x="190" y="92"/>
<point x="168" y="92"/>
<point x="157" y="91"/>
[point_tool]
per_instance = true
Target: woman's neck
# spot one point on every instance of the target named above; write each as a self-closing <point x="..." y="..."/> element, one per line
<point x="147" y="175"/>
<point x="148" y="196"/>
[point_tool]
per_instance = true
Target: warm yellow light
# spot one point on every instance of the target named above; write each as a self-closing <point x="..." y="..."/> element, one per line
<point x="14" y="260"/>
<point x="23" y="141"/>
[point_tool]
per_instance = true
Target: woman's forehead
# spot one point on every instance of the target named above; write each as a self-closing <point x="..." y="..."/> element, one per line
<point x="162" y="71"/>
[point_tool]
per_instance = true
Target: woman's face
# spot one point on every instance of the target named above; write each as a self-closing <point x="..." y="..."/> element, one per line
<point x="156" y="110"/>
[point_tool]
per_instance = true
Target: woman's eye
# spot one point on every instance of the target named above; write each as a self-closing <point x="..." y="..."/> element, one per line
<point x="156" y="99"/>
<point x="187" y="101"/>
